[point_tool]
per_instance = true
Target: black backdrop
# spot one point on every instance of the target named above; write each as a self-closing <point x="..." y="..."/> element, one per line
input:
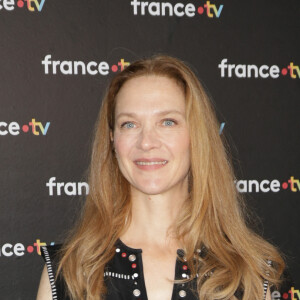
<point x="260" y="111"/>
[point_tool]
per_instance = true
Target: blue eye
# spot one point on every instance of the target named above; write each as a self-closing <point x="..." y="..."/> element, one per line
<point x="169" y="122"/>
<point x="127" y="125"/>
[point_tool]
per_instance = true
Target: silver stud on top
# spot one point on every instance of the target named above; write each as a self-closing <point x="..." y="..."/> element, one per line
<point x="182" y="293"/>
<point x="136" y="292"/>
<point x="118" y="249"/>
<point x="135" y="275"/>
<point x="132" y="257"/>
<point x="183" y="275"/>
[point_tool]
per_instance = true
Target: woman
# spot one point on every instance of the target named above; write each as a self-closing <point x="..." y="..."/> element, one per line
<point x="162" y="202"/>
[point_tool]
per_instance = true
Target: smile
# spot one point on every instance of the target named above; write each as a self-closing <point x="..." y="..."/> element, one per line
<point x="150" y="163"/>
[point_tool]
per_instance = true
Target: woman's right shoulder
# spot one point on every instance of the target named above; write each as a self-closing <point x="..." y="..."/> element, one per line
<point x="50" y="288"/>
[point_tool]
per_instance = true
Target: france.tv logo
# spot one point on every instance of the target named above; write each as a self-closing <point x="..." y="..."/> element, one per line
<point x="14" y="128"/>
<point x="31" y="5"/>
<point x="228" y="70"/>
<point x="78" y="67"/>
<point x="179" y="9"/>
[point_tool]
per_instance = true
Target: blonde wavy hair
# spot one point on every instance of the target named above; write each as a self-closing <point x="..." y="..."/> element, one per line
<point x="214" y="214"/>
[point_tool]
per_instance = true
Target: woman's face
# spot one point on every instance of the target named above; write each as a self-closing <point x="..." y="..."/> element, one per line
<point x="151" y="136"/>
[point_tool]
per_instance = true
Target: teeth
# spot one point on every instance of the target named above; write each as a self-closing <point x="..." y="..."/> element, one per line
<point x="144" y="163"/>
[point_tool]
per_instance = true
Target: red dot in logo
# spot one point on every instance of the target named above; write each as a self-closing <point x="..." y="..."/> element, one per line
<point x="20" y="3"/>
<point x="284" y="71"/>
<point x="200" y="10"/>
<point x="25" y="128"/>
<point x="114" y="68"/>
<point x="285" y="295"/>
<point x="30" y="249"/>
<point x="284" y="185"/>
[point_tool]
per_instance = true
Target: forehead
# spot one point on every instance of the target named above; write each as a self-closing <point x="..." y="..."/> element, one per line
<point x="150" y="93"/>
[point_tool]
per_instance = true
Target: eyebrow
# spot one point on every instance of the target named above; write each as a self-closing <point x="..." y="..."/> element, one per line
<point x="160" y="113"/>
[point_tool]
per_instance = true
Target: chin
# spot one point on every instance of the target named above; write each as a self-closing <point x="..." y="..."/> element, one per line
<point x="150" y="190"/>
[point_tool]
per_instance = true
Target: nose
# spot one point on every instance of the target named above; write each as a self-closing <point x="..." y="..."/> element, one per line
<point x="148" y="139"/>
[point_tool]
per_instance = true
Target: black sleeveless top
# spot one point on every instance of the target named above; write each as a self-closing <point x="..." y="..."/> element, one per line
<point x="124" y="276"/>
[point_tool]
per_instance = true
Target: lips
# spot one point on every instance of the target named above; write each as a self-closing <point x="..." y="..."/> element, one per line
<point x="150" y="161"/>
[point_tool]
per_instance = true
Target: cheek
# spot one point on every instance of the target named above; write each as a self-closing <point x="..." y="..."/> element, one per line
<point x="180" y="143"/>
<point x="123" y="144"/>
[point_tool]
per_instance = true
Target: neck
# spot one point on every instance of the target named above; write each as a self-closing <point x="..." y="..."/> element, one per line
<point x="153" y="218"/>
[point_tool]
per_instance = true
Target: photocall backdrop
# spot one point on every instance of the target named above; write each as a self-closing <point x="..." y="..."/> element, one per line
<point x="56" y="58"/>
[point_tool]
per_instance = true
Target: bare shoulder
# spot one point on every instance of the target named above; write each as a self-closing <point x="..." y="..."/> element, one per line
<point x="44" y="291"/>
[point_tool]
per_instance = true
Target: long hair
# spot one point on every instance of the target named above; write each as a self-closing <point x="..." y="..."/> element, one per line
<point x="213" y="215"/>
